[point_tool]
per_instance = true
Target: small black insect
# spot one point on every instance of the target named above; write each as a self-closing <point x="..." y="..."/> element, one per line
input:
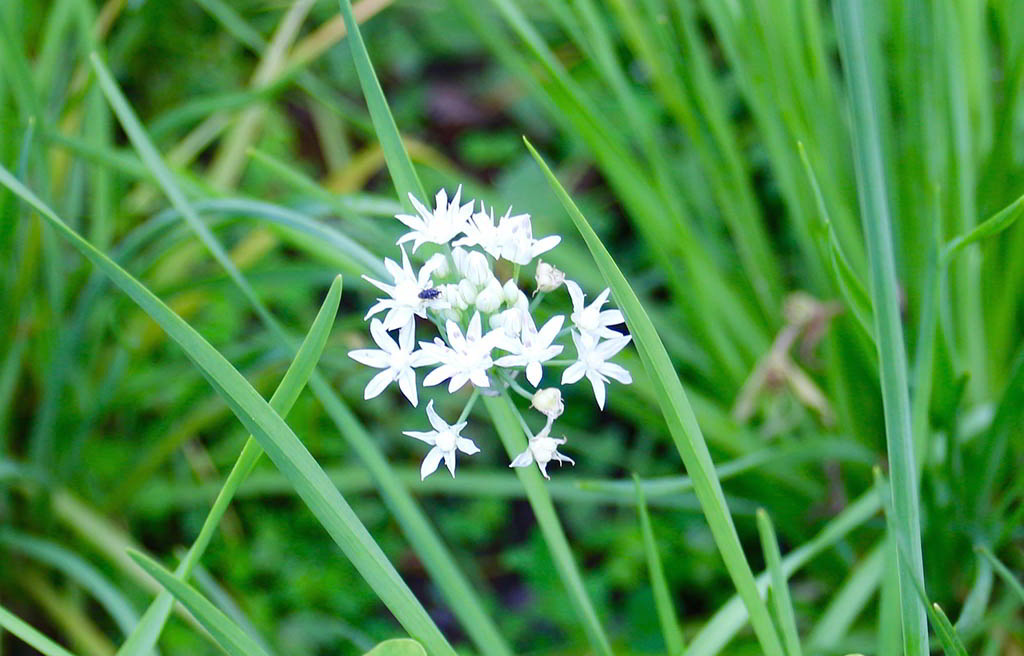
<point x="430" y="294"/>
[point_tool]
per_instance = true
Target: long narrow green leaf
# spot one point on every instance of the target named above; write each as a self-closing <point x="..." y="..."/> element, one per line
<point x="856" y="46"/>
<point x="681" y="422"/>
<point x="274" y="435"/>
<point x="662" y="597"/>
<point x="30" y="635"/>
<point x="402" y="172"/>
<point x="232" y="639"/>
<point x="780" y="588"/>
<point x="993" y="225"/>
<point x="1003" y="571"/>
<point x="77" y="569"/>
<point x="977" y="599"/>
<point x="732" y="616"/>
<point x="145" y="635"/>
<point x="503" y="413"/>
<point x="846" y="604"/>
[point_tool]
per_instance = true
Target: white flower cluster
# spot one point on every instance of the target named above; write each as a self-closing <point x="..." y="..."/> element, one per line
<point x="487" y="331"/>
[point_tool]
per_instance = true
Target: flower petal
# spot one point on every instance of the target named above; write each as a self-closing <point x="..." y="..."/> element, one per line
<point x="449" y="461"/>
<point x="598" y="384"/>
<point x="576" y="294"/>
<point x="430" y="462"/>
<point x="524" y="459"/>
<point x="534" y="372"/>
<point x="377" y="384"/>
<point x="440" y="425"/>
<point x="428" y="436"/>
<point x="573" y="373"/>
<point x="371" y="358"/>
<point x="466" y="445"/>
<point x="407" y="383"/>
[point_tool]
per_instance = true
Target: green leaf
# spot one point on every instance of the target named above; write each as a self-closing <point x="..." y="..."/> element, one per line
<point x="780" y="589"/>
<point x="397" y="647"/>
<point x="857" y="45"/>
<point x="30" y="635"/>
<point x="1003" y="571"/>
<point x="844" y="277"/>
<point x="227" y="634"/>
<point x="402" y="172"/>
<point x="146" y="633"/>
<point x="993" y="225"/>
<point x="662" y="596"/>
<point x="681" y="421"/>
<point x="274" y="435"/>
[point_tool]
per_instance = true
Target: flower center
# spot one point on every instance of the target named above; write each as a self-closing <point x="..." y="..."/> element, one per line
<point x="590" y="319"/>
<point x="445" y="440"/>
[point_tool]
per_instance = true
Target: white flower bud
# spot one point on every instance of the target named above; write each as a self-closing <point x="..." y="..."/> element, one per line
<point x="459" y="258"/>
<point x="467" y="291"/>
<point x="510" y="292"/>
<point x="438" y="265"/>
<point x="451" y="295"/>
<point x="451" y="314"/>
<point x="548" y="277"/>
<point x="548" y="401"/>
<point x="511" y="321"/>
<point x="522" y="303"/>
<point x="489" y="299"/>
<point x="478" y="269"/>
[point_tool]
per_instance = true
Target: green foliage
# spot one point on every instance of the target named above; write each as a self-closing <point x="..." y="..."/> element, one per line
<point x="788" y="200"/>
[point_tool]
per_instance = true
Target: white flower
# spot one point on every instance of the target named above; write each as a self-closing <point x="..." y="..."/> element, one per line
<point x="590" y="319"/>
<point x="592" y="362"/>
<point x="466" y="359"/>
<point x="511" y="239"/>
<point x="481" y="231"/>
<point x="548" y="401"/>
<point x="490" y="298"/>
<point x="438" y="226"/>
<point x="406" y="297"/>
<point x="445" y="439"/>
<point x="533" y="348"/>
<point x="519" y="245"/>
<point x="397" y="361"/>
<point x="542" y="449"/>
<point x="453" y="297"/>
<point x="548" y="277"/>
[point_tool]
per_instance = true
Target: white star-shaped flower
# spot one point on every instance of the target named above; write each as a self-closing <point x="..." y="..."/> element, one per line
<point x="591" y="319"/>
<point x="510" y="239"/>
<point x="591" y="362"/>
<point x="406" y="294"/>
<point x="465" y="358"/>
<point x="534" y="348"/>
<point x="439" y="226"/>
<point x="542" y="449"/>
<point x="520" y="246"/>
<point x="396" y="360"/>
<point x="445" y="439"/>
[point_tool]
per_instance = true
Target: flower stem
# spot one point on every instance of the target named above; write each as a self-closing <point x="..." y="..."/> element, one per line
<point x="469" y="406"/>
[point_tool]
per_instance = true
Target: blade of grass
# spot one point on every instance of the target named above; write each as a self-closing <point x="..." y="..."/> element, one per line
<point x="228" y="635"/>
<point x="30" y="635"/>
<point x="858" y="589"/>
<point x="732" y="616"/>
<point x="974" y="607"/>
<point x="993" y="225"/>
<point x="503" y="413"/>
<point x="681" y="422"/>
<point x="277" y="439"/>
<point x="399" y="165"/>
<point x="77" y="569"/>
<point x="145" y="635"/>
<point x="1002" y="570"/>
<point x="856" y="48"/>
<point x="780" y="588"/>
<point x="659" y="586"/>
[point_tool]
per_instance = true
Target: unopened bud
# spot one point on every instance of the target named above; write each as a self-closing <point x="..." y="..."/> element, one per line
<point x="438" y="265"/>
<point x="510" y="292"/>
<point x="467" y="291"/>
<point x="548" y="277"/>
<point x="453" y="297"/>
<point x="489" y="300"/>
<point x="478" y="269"/>
<point x="548" y="401"/>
